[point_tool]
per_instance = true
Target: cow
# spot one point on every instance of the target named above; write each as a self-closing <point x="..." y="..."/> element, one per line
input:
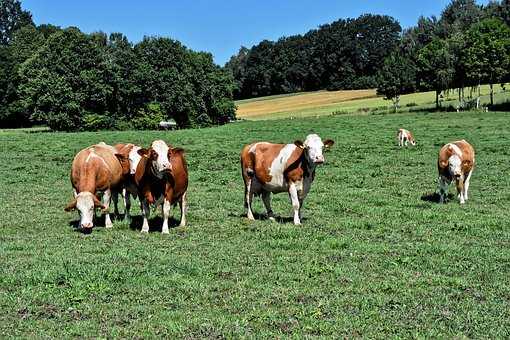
<point x="96" y="169"/>
<point x="404" y="136"/>
<point x="129" y="188"/>
<point x="273" y="168"/>
<point x="456" y="161"/>
<point x="161" y="177"/>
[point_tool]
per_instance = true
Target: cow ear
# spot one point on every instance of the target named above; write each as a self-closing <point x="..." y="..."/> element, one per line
<point x="466" y="163"/>
<point x="328" y="143"/>
<point x="176" y="151"/>
<point x="97" y="203"/>
<point x="299" y="144"/>
<point x="143" y="152"/>
<point x="443" y="164"/>
<point x="71" y="205"/>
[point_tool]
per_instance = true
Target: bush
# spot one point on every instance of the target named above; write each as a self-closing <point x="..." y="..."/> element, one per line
<point x="148" y="118"/>
<point x="94" y="121"/>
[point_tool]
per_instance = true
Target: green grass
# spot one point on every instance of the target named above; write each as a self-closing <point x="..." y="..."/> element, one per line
<point x="372" y="258"/>
<point x="423" y="100"/>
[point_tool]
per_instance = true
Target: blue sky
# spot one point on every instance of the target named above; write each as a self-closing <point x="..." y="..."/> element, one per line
<point x="221" y="26"/>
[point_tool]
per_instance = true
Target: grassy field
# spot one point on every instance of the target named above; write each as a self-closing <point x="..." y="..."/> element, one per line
<point x="321" y="103"/>
<point x="375" y="257"/>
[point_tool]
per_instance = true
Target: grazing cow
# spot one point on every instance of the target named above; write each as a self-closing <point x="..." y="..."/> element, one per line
<point x="456" y="161"/>
<point x="98" y="168"/>
<point x="404" y="136"/>
<point x="130" y="151"/>
<point x="272" y="168"/>
<point x="162" y="177"/>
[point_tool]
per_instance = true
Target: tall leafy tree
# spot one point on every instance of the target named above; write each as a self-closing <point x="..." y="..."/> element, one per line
<point x="396" y="77"/>
<point x="487" y="54"/>
<point x="12" y="18"/>
<point x="436" y="67"/>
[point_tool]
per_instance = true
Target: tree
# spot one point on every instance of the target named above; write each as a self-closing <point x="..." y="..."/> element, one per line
<point x="12" y="18"/>
<point x="487" y="54"/>
<point x="397" y="77"/>
<point x="436" y="67"/>
<point x="458" y="16"/>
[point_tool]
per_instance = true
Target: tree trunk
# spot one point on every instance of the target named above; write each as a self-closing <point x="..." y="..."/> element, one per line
<point x="437" y="99"/>
<point x="478" y="98"/>
<point x="492" y="94"/>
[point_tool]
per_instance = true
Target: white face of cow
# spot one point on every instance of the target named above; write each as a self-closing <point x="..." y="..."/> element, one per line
<point x="162" y="163"/>
<point x="134" y="159"/>
<point x="454" y="166"/>
<point x="314" y="146"/>
<point x="85" y="205"/>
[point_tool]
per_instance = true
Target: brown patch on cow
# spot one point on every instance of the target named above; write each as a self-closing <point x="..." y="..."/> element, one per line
<point x="328" y="143"/>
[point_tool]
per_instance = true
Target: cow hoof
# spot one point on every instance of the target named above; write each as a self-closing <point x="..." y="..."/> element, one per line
<point x="272" y="219"/>
<point x="143" y="231"/>
<point x="182" y="225"/>
<point x="165" y="232"/>
<point x="108" y="226"/>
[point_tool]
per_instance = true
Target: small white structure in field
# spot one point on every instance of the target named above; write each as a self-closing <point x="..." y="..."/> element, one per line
<point x="168" y="125"/>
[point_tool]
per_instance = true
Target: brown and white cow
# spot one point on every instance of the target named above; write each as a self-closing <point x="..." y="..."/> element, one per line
<point x="273" y="168"/>
<point x="456" y="161"/>
<point x="405" y="136"/>
<point x="129" y="187"/>
<point x="161" y="177"/>
<point x="98" y="168"/>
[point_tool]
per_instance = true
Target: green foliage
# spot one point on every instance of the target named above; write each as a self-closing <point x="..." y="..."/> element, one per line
<point x="148" y="118"/>
<point x="374" y="258"/>
<point x="12" y="18"/>
<point x="397" y="77"/>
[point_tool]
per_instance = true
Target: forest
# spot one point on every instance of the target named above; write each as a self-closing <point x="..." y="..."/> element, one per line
<point x="468" y="45"/>
<point x="72" y="81"/>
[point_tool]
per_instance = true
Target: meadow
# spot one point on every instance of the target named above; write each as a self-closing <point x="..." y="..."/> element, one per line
<point x="320" y="103"/>
<point x="376" y="256"/>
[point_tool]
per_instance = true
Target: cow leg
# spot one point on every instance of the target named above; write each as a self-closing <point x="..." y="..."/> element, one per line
<point x="127" y="205"/>
<point x="266" y="198"/>
<point x="106" y="202"/>
<point x="248" y="198"/>
<point x="145" y="214"/>
<point x="460" y="190"/>
<point x="75" y="193"/>
<point x="166" y="215"/>
<point x="443" y="189"/>
<point x="295" y="203"/>
<point x="115" y="199"/>
<point x="182" y="205"/>
<point x="466" y="184"/>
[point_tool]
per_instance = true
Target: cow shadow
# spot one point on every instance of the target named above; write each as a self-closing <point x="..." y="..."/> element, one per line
<point x="435" y="198"/>
<point x="264" y="217"/>
<point x="99" y="222"/>
<point x="155" y="223"/>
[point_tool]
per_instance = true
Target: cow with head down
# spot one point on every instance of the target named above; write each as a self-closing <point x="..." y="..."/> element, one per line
<point x="96" y="169"/>
<point x="272" y="168"/>
<point x="161" y="177"/>
<point x="455" y="162"/>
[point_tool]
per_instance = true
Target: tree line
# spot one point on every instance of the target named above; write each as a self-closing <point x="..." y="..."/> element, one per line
<point x="466" y="46"/>
<point x="72" y="81"/>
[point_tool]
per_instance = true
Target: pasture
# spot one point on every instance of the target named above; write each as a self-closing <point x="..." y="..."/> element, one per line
<point x="311" y="104"/>
<point x="375" y="256"/>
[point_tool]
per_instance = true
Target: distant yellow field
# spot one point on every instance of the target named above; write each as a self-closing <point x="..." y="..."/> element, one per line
<point x="319" y="103"/>
<point x="264" y="106"/>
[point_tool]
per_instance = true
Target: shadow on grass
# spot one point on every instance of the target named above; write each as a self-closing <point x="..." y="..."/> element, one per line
<point x="434" y="197"/>
<point x="264" y="217"/>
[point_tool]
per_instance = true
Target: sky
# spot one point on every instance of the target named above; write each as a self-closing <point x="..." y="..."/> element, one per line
<point x="220" y="27"/>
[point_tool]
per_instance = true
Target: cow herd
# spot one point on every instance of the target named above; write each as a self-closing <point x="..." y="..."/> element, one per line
<point x="158" y="176"/>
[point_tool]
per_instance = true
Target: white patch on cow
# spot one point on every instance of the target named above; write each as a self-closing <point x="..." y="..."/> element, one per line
<point x="454" y="165"/>
<point x="253" y="147"/>
<point x="277" y="169"/>
<point x="85" y="206"/>
<point x="162" y="162"/>
<point x="134" y="159"/>
<point x="455" y="149"/>
<point x="92" y="154"/>
<point x="313" y="144"/>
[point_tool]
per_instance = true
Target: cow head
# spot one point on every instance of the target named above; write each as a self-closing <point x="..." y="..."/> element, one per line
<point x="85" y="202"/>
<point x="157" y="157"/>
<point x="314" y="146"/>
<point x="455" y="166"/>
<point x="412" y="141"/>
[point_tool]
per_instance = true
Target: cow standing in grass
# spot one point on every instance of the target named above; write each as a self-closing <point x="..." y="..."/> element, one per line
<point x="456" y="161"/>
<point x="272" y="168"/>
<point x="96" y="169"/>
<point x="405" y="136"/>
<point x="161" y="177"/>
